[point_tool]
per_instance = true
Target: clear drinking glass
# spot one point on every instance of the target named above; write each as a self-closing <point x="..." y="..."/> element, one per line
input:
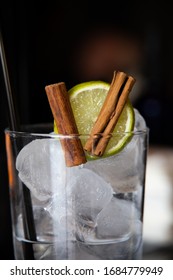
<point x="92" y="211"/>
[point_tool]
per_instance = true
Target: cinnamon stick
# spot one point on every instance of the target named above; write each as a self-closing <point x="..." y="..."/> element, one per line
<point x="63" y="115"/>
<point x="114" y="103"/>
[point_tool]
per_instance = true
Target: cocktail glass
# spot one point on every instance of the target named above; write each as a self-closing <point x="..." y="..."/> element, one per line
<point x="92" y="211"/>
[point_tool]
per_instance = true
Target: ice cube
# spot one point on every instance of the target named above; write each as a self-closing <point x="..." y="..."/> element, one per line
<point x="129" y="248"/>
<point x="43" y="225"/>
<point x="116" y="221"/>
<point x="79" y="201"/>
<point x="90" y="194"/>
<point x="140" y="123"/>
<point x="41" y="167"/>
<point x="124" y="170"/>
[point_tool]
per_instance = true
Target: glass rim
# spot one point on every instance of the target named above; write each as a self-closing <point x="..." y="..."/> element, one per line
<point x="24" y="133"/>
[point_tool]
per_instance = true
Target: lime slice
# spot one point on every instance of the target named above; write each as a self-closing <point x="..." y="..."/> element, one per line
<point x="86" y="101"/>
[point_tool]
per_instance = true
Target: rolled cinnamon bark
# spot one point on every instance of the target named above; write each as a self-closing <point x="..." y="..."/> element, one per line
<point x="113" y="105"/>
<point x="65" y="121"/>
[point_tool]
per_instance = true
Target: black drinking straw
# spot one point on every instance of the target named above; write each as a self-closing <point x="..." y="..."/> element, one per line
<point x="29" y="226"/>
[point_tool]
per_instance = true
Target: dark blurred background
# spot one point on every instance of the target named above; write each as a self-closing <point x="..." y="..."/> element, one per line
<point x="49" y="42"/>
